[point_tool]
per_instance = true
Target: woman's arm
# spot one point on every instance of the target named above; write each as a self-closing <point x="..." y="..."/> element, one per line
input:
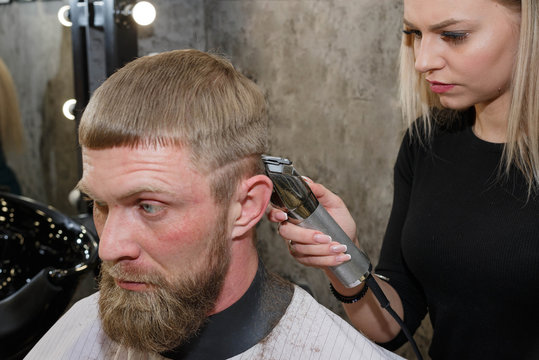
<point x="312" y="248"/>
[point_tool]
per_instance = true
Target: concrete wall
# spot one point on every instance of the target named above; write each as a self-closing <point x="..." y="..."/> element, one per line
<point x="328" y="68"/>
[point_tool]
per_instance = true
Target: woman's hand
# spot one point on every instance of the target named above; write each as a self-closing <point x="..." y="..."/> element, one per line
<point x="311" y="247"/>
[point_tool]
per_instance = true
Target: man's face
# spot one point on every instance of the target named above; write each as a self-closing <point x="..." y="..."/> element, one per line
<point x="163" y="241"/>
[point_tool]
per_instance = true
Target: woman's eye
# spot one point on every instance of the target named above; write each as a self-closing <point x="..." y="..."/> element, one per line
<point x="454" y="36"/>
<point x="415" y="33"/>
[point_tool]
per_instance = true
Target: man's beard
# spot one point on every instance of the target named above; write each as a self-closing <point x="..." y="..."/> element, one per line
<point x="170" y="313"/>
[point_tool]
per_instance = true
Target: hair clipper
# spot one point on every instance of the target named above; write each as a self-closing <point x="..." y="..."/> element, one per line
<point x="292" y="195"/>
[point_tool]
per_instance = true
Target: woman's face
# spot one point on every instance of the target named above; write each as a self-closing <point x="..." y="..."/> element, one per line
<point x="464" y="48"/>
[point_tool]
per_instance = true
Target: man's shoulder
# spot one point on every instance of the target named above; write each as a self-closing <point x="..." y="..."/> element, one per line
<point x="310" y="329"/>
<point x="88" y="302"/>
<point x="77" y="329"/>
<point x="304" y="306"/>
<point x="80" y="314"/>
<point x="78" y="335"/>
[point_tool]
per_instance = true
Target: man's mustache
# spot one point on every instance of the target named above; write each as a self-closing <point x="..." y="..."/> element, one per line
<point x="130" y="273"/>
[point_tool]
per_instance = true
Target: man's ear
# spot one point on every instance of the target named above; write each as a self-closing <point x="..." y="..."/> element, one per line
<point x="251" y="202"/>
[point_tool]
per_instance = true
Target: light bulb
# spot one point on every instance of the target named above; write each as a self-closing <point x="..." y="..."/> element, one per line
<point x="68" y="107"/>
<point x="143" y="13"/>
<point x="63" y="16"/>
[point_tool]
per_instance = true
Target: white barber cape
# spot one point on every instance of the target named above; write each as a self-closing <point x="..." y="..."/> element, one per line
<point x="307" y="330"/>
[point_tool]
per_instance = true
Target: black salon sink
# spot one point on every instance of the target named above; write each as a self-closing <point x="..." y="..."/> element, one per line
<point x="43" y="254"/>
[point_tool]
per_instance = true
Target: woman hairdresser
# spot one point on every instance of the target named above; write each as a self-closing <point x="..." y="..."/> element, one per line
<point x="462" y="242"/>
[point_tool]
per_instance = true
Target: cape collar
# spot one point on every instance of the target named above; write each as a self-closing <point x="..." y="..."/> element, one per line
<point x="242" y="325"/>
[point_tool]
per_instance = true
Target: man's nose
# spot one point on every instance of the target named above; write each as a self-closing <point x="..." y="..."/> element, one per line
<point x="428" y="56"/>
<point x="117" y="237"/>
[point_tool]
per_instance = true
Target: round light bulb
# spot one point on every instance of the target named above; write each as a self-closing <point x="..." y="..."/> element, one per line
<point x="67" y="109"/>
<point x="63" y="16"/>
<point x="144" y="13"/>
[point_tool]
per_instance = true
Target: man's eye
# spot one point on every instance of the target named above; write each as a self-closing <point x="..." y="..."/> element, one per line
<point x="97" y="204"/>
<point x="150" y="209"/>
<point x="99" y="207"/>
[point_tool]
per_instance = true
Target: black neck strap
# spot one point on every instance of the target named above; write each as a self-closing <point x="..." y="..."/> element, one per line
<point x="242" y="325"/>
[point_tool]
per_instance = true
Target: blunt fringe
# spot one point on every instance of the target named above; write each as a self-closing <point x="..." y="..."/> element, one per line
<point x="185" y="98"/>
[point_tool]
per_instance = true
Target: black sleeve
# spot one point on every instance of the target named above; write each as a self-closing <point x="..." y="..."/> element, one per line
<point x="391" y="263"/>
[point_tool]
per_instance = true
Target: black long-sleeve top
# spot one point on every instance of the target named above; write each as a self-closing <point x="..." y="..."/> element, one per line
<point x="462" y="244"/>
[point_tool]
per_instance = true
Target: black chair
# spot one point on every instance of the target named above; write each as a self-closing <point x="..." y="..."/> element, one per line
<point x="43" y="254"/>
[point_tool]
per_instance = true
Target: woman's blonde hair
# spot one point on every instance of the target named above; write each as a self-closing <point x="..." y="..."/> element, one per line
<point x="522" y="147"/>
<point x="11" y="138"/>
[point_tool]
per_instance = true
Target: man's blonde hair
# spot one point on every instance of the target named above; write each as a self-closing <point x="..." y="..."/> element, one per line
<point x="522" y="147"/>
<point x="186" y="98"/>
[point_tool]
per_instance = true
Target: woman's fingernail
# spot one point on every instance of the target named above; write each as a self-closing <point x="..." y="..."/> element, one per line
<point x="307" y="179"/>
<point x="338" y="248"/>
<point x="322" y="239"/>
<point x="281" y="216"/>
<point x="343" y="257"/>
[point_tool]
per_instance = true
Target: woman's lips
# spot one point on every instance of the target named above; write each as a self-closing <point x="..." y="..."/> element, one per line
<point x="440" y="88"/>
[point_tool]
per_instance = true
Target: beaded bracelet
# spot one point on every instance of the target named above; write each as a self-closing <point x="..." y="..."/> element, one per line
<point x="349" y="299"/>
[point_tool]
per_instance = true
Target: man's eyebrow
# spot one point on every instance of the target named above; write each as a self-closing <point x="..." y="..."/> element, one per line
<point x="81" y="186"/>
<point x="144" y="189"/>
<point x="435" y="27"/>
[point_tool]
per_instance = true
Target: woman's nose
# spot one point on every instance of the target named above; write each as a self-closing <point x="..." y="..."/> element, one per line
<point x="428" y="55"/>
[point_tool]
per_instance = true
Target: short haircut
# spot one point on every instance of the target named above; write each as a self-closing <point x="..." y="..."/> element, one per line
<point x="185" y="98"/>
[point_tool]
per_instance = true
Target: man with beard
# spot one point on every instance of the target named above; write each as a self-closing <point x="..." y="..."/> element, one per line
<point x="171" y="148"/>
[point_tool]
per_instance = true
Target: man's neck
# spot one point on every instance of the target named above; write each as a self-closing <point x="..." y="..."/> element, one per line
<point x="240" y="275"/>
